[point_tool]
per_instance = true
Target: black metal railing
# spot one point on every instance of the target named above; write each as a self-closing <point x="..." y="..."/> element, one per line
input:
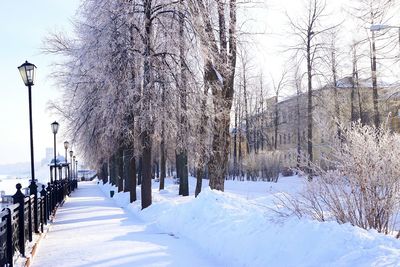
<point x="27" y="216"/>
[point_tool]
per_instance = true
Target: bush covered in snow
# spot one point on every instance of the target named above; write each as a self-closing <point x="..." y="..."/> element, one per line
<point x="364" y="187"/>
<point x="264" y="165"/>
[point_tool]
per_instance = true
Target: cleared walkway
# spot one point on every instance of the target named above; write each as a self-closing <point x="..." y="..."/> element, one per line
<point x="90" y="230"/>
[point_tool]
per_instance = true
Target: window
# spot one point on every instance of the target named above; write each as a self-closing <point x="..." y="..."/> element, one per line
<point x="288" y="138"/>
<point x="284" y="139"/>
<point x="280" y="139"/>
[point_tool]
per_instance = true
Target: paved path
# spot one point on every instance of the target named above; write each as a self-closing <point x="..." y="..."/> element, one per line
<point x="90" y="230"/>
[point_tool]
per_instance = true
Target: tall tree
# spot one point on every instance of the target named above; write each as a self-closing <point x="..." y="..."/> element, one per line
<point x="219" y="49"/>
<point x="372" y="12"/>
<point x="308" y="29"/>
<point x="182" y="155"/>
<point x="148" y="89"/>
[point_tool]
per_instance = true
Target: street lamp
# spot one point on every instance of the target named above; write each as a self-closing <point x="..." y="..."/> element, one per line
<point x="66" y="145"/>
<point x="27" y="71"/>
<point x="54" y="128"/>
<point x="379" y="27"/>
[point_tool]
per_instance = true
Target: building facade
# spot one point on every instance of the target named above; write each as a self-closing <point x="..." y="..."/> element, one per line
<point x="283" y="127"/>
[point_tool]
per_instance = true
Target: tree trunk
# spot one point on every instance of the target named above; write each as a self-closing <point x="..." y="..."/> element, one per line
<point x="276" y="122"/>
<point x="132" y="178"/>
<point x="162" y="142"/>
<point x="112" y="170"/>
<point x="104" y="172"/>
<point x="235" y="167"/>
<point x="162" y="158"/>
<point x="177" y="166"/>
<point x="309" y="107"/>
<point x="126" y="170"/>
<point x="353" y="86"/>
<point x="336" y="100"/>
<point x="374" y="82"/>
<point x="203" y="135"/>
<point x="199" y="180"/>
<point x="246" y="114"/>
<point x="146" y="108"/>
<point x="146" y="170"/>
<point x="130" y="174"/>
<point x="120" y="169"/>
<point x="182" y="157"/>
<point x="221" y="139"/>
<point x="183" y="179"/>
<point x="140" y="170"/>
<point x="298" y="128"/>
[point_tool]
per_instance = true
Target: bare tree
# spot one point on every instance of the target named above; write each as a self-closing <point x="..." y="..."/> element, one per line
<point x="372" y="12"/>
<point x="278" y="87"/>
<point x="308" y="29"/>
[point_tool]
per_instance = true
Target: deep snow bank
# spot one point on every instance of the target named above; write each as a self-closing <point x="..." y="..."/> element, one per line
<point x="239" y="232"/>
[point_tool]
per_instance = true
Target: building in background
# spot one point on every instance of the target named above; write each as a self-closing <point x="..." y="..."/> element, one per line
<point x="285" y="122"/>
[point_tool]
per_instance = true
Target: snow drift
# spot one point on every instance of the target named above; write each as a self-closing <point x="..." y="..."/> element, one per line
<point x="242" y="232"/>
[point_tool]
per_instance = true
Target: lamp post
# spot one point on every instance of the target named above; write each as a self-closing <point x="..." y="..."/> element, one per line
<point x="54" y="128"/>
<point x="27" y="71"/>
<point x="70" y="167"/>
<point x="379" y="27"/>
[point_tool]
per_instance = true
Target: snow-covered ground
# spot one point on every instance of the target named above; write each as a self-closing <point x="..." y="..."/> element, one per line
<point x="91" y="230"/>
<point x="239" y="228"/>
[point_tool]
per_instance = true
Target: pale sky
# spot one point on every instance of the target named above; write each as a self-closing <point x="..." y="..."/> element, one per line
<point x="24" y="24"/>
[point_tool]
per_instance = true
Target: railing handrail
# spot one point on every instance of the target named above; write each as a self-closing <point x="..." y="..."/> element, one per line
<point x="20" y="223"/>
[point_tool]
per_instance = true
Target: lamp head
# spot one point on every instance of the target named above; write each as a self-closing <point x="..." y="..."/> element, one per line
<point x="54" y="127"/>
<point x="27" y="71"/>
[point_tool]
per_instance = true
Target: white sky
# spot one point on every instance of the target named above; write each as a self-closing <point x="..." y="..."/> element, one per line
<point x="25" y="23"/>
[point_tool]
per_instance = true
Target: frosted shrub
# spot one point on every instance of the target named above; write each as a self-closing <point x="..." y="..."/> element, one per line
<point x="363" y="189"/>
<point x="265" y="165"/>
<point x="271" y="165"/>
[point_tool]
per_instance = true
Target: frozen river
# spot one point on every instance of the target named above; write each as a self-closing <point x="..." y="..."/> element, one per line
<point x="7" y="184"/>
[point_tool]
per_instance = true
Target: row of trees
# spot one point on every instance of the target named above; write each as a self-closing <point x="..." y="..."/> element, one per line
<point x="150" y="80"/>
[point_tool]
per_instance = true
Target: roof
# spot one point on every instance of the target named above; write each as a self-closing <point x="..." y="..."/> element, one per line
<point x="60" y="161"/>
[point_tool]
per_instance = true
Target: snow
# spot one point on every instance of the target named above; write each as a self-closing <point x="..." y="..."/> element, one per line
<point x="90" y="230"/>
<point x="234" y="228"/>
<point x="239" y="228"/>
